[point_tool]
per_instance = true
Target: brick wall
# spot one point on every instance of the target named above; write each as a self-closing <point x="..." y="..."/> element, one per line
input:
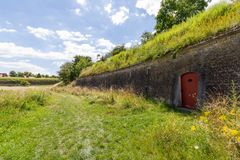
<point x="217" y="61"/>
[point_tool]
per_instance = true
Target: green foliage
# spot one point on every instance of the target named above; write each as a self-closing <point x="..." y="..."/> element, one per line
<point x="217" y="19"/>
<point x="79" y="63"/>
<point x="24" y="83"/>
<point x="28" y="74"/>
<point x="15" y="81"/>
<point x="65" y="72"/>
<point x="13" y="74"/>
<point x="71" y="70"/>
<point x="173" y="12"/>
<point x="146" y="36"/>
<point x="116" y="50"/>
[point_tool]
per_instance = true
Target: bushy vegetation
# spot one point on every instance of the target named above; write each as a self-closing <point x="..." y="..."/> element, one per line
<point x="173" y="12"/>
<point x="69" y="71"/>
<point x="79" y="123"/>
<point x="14" y="81"/>
<point x="216" y="19"/>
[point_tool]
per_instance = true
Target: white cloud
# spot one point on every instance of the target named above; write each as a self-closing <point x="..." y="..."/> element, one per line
<point x="7" y="30"/>
<point x="89" y="28"/>
<point x="65" y="35"/>
<point x="132" y="43"/>
<point x="41" y="33"/>
<point x="82" y="2"/>
<point x="58" y="63"/>
<point x="140" y="15"/>
<point x="22" y="66"/>
<point x="11" y="50"/>
<point x="77" y="11"/>
<point x="128" y="45"/>
<point x="71" y="36"/>
<point x="213" y="2"/>
<point x="120" y="16"/>
<point x="104" y="43"/>
<point x="82" y="49"/>
<point x="108" y="8"/>
<point x="150" y="6"/>
<point x="8" y="23"/>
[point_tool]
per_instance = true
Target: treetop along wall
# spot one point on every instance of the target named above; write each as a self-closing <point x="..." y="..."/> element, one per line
<point x="217" y="61"/>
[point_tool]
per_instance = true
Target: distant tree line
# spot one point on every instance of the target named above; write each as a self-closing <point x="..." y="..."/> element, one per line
<point x="30" y="74"/>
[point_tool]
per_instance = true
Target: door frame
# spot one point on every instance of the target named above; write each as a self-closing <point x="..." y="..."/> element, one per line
<point x="177" y="90"/>
<point x="197" y="98"/>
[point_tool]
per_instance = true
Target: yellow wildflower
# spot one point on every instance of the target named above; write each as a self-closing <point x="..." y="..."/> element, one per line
<point x="225" y="129"/>
<point x="233" y="132"/>
<point x="206" y="121"/>
<point x="206" y="113"/>
<point x="232" y="112"/>
<point x="193" y="128"/>
<point x="202" y="118"/>
<point x="223" y="118"/>
<point x="238" y="139"/>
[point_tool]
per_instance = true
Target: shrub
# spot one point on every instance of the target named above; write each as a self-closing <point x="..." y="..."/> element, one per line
<point x="24" y="83"/>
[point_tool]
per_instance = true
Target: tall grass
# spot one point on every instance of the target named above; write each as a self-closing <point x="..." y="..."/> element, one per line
<point x="216" y="19"/>
<point x="22" y="100"/>
<point x="222" y="117"/>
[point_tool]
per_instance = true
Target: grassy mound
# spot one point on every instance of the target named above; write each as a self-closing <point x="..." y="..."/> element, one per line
<point x="216" y="19"/>
<point x="9" y="81"/>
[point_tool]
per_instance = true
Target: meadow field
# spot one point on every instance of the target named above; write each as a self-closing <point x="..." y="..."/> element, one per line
<point x="16" y="81"/>
<point x="78" y="123"/>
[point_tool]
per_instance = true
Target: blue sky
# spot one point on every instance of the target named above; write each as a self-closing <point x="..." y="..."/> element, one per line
<point x="40" y="35"/>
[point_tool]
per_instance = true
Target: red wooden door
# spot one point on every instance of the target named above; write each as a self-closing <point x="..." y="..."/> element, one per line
<point x="189" y="88"/>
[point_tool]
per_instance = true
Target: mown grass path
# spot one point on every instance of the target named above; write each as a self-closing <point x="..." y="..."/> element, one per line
<point x="77" y="127"/>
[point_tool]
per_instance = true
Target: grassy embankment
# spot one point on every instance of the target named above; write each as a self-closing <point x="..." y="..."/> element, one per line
<point x="72" y="123"/>
<point x="200" y="27"/>
<point x="10" y="81"/>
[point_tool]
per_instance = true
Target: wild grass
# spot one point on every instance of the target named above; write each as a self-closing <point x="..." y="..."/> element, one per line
<point x="80" y="123"/>
<point x="198" y="28"/>
<point x="22" y="100"/>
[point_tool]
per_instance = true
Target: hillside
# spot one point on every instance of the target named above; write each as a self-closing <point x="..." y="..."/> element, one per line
<point x="219" y="18"/>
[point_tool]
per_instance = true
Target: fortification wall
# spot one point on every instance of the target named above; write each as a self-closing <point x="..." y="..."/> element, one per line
<point x="217" y="61"/>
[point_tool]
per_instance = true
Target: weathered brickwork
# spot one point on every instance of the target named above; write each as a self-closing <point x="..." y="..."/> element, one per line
<point x="217" y="61"/>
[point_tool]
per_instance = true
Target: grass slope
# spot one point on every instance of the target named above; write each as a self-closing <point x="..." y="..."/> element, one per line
<point x="11" y="81"/>
<point x="217" y="19"/>
<point x="87" y="124"/>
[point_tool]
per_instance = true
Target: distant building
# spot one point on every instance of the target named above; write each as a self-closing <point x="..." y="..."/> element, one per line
<point x="3" y="75"/>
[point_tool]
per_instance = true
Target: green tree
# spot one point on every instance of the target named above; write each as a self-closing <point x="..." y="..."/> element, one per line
<point x="38" y="75"/>
<point x="146" y="36"/>
<point x="173" y="12"/>
<point x="27" y="74"/>
<point x="13" y="74"/>
<point x="20" y="74"/>
<point x="71" y="70"/>
<point x="79" y="63"/>
<point x="65" y="72"/>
